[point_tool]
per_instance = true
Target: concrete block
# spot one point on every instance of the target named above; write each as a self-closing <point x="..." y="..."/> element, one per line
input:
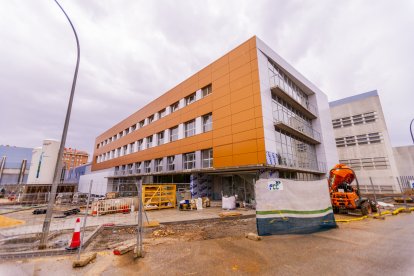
<point x="84" y="259"/>
<point x="253" y="237"/>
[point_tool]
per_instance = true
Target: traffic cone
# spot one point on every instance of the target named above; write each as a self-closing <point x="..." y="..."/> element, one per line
<point x="75" y="243"/>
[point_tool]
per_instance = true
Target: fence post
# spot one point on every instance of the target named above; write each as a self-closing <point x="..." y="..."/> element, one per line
<point x="375" y="199"/>
<point x="84" y="220"/>
<point x="404" y="196"/>
<point x="139" y="225"/>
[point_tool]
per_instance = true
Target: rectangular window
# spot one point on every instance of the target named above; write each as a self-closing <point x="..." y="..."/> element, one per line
<point x="189" y="161"/>
<point x="140" y="145"/>
<point x="206" y="90"/>
<point x="346" y="121"/>
<point x="142" y="123"/>
<point x="171" y="163"/>
<point x="175" y="106"/>
<point x="357" y="119"/>
<point x="132" y="147"/>
<point x="118" y="152"/>
<point x="126" y="131"/>
<point x="190" y="99"/>
<point x="362" y="139"/>
<point x="369" y="117"/>
<point x="207" y="122"/>
<point x="129" y="168"/>
<point x="207" y="158"/>
<point x="374" y="137"/>
<point x="350" y="141"/>
<point x="120" y="134"/>
<point x="134" y="127"/>
<point x="149" y="142"/>
<point x="150" y="119"/>
<point x="173" y="133"/>
<point x="158" y="165"/>
<point x="340" y="142"/>
<point x="336" y="123"/>
<point x="138" y="167"/>
<point x="160" y="138"/>
<point x="189" y="128"/>
<point x="124" y="150"/>
<point x="147" y="166"/>
<point x="162" y="113"/>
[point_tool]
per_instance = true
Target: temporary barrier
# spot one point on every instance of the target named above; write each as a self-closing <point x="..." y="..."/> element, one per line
<point x="117" y="205"/>
<point x="287" y="206"/>
<point x="159" y="196"/>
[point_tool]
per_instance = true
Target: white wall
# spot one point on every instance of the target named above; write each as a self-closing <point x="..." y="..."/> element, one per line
<point x="100" y="182"/>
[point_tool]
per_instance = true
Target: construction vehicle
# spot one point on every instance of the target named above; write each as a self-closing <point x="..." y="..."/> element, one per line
<point x="345" y="197"/>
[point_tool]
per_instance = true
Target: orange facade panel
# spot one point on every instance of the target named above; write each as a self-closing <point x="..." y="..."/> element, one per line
<point x="235" y="104"/>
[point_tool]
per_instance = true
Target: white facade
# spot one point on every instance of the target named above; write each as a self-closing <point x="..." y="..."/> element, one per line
<point x="318" y="127"/>
<point x="42" y="167"/>
<point x="363" y="142"/>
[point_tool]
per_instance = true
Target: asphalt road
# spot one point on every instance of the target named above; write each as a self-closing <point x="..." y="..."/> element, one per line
<point x="369" y="247"/>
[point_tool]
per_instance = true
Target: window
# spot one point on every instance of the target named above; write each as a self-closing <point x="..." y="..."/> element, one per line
<point x="120" y="134"/>
<point x="150" y="119"/>
<point x="142" y="123"/>
<point x="149" y="141"/>
<point x="340" y="142"/>
<point x="190" y="99"/>
<point x="140" y="145"/>
<point x="147" y="165"/>
<point x="134" y="127"/>
<point x="132" y="147"/>
<point x="189" y="160"/>
<point x="374" y="137"/>
<point x="114" y="138"/>
<point x="138" y="167"/>
<point x="207" y="158"/>
<point x="162" y="113"/>
<point x="124" y="150"/>
<point x="158" y="165"/>
<point x="175" y="106"/>
<point x="170" y="163"/>
<point x="160" y="138"/>
<point x="173" y="133"/>
<point x="118" y="152"/>
<point x="336" y="123"/>
<point x="207" y="122"/>
<point x="362" y="139"/>
<point x="350" y="140"/>
<point x="357" y="119"/>
<point x="129" y="168"/>
<point x="189" y="128"/>
<point x="206" y="90"/>
<point x="126" y="131"/>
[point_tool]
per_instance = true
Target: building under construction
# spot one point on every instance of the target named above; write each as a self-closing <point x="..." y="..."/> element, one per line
<point x="247" y="116"/>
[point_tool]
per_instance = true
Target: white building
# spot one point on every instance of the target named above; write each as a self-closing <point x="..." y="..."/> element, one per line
<point x="363" y="142"/>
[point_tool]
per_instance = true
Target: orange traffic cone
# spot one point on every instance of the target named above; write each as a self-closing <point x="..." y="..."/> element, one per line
<point x="75" y="243"/>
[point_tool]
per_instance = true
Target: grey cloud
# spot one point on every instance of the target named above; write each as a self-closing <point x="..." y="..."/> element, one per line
<point x="133" y="51"/>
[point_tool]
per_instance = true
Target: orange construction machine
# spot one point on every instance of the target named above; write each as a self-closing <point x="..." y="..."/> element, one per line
<point x="346" y="198"/>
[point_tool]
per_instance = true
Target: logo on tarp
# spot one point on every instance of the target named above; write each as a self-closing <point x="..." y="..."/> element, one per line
<point x="275" y="185"/>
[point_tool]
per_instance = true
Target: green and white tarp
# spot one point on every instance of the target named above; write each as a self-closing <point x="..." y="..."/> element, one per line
<point x="286" y="206"/>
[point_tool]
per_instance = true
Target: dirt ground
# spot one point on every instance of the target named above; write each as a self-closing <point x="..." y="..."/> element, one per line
<point x="176" y="232"/>
<point x="368" y="247"/>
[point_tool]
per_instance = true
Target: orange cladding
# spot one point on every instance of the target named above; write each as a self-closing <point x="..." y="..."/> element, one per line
<point x="237" y="135"/>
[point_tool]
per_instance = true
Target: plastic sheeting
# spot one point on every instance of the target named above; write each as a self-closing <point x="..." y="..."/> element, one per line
<point x="287" y="206"/>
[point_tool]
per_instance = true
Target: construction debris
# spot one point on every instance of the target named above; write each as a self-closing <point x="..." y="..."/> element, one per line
<point x="124" y="247"/>
<point x="84" y="260"/>
<point x="253" y="237"/>
<point x="162" y="233"/>
<point x="229" y="214"/>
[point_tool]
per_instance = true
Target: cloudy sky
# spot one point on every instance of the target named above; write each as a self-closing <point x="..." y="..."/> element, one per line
<point x="133" y="51"/>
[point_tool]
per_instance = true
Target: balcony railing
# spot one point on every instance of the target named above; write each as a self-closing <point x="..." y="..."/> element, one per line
<point x="291" y="94"/>
<point x="296" y="162"/>
<point x="295" y="125"/>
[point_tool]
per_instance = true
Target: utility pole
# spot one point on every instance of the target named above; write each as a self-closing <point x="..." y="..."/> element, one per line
<point x="56" y="177"/>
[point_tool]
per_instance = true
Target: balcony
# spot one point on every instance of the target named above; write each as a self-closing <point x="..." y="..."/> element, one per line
<point x="289" y="94"/>
<point x="296" y="126"/>
<point x="295" y="163"/>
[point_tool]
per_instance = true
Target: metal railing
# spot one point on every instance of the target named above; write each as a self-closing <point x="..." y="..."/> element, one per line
<point x="291" y="161"/>
<point x="278" y="81"/>
<point x="295" y="122"/>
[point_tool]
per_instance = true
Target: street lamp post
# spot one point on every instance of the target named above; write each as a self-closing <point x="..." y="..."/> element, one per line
<point x="56" y="177"/>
